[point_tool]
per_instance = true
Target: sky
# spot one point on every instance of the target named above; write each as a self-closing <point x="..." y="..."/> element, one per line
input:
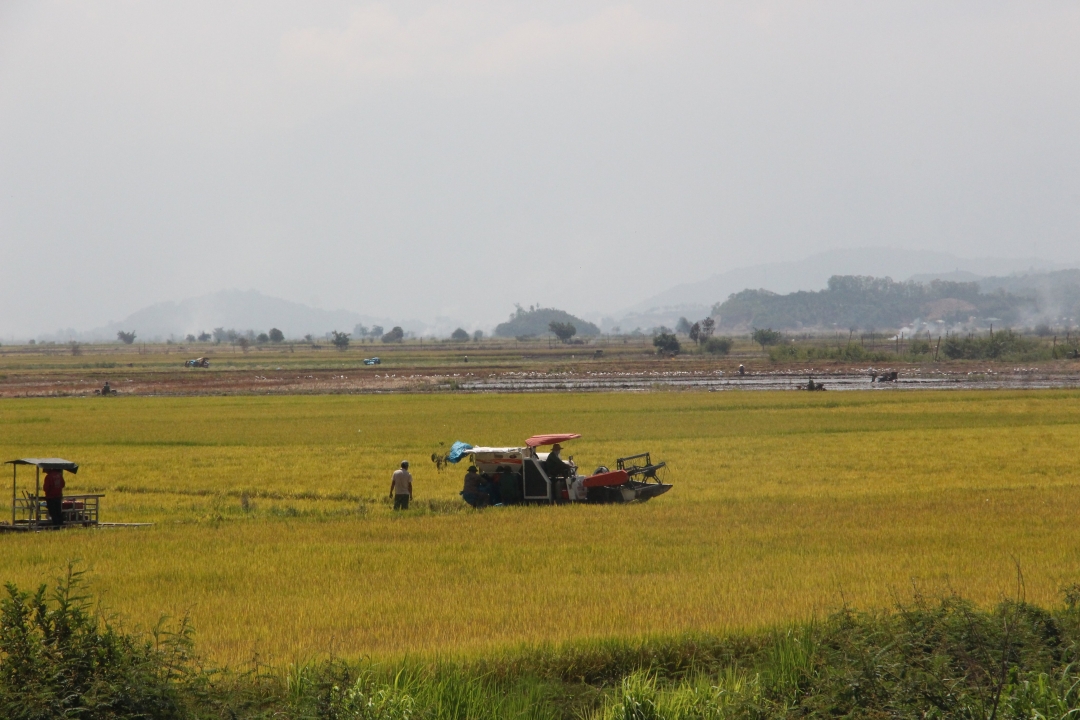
<point x="419" y="159"/>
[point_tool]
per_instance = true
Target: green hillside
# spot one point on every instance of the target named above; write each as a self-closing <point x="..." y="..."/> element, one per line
<point x="852" y="301"/>
<point x="535" y="321"/>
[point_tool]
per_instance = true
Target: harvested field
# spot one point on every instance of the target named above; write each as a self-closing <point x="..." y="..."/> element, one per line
<point x="484" y="368"/>
<point x="272" y="529"/>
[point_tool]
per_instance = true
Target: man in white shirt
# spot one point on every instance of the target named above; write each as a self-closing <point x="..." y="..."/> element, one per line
<point x="401" y="486"/>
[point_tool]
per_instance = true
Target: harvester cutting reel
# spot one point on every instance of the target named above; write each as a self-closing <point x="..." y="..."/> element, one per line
<point x="640" y="471"/>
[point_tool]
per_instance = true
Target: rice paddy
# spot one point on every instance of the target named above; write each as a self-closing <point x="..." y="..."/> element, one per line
<point x="273" y="533"/>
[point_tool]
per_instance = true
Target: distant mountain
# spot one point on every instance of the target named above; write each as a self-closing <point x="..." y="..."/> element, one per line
<point x="243" y="310"/>
<point x="864" y="303"/>
<point x="646" y="321"/>
<point x="239" y="310"/>
<point x="813" y="273"/>
<point x="1030" y="299"/>
<point x="536" y="322"/>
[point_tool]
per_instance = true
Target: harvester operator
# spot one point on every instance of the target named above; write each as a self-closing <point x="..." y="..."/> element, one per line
<point x="554" y="465"/>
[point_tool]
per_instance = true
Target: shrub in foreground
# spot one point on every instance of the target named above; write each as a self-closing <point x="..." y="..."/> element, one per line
<point x="58" y="659"/>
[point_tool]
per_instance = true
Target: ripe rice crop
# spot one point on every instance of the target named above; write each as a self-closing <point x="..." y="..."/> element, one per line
<point x="272" y="530"/>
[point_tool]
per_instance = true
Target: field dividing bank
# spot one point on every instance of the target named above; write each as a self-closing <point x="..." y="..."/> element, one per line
<point x="273" y="533"/>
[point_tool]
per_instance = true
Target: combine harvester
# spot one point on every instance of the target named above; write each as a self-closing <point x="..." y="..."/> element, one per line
<point x="520" y="475"/>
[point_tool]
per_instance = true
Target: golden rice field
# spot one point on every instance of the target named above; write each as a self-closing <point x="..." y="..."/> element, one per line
<point x="785" y="506"/>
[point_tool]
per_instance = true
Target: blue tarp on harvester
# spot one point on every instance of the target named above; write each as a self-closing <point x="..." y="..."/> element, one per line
<point x="457" y="451"/>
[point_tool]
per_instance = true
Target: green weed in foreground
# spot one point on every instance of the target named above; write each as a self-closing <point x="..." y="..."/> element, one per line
<point x="931" y="659"/>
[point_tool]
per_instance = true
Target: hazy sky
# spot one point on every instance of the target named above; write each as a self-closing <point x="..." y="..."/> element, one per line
<point x="418" y="159"/>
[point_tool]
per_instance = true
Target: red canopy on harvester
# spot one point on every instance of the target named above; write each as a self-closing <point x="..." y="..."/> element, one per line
<point x="538" y="440"/>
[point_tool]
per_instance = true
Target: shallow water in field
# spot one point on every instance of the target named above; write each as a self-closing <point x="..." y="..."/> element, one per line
<point x="718" y="381"/>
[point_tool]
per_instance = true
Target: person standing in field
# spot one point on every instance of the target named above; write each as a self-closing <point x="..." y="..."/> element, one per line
<point x="54" y="496"/>
<point x="401" y="486"/>
<point x="471" y="493"/>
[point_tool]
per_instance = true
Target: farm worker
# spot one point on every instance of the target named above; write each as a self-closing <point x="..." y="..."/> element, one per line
<point x="401" y="486"/>
<point x="554" y="465"/>
<point x="471" y="492"/>
<point x="54" y="496"/>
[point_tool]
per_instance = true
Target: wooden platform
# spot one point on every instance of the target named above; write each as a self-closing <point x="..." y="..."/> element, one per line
<point x="42" y="527"/>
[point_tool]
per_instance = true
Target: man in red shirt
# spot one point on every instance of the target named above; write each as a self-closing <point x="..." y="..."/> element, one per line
<point x="54" y="496"/>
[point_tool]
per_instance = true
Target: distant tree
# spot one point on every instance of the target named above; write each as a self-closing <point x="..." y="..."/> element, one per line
<point x="204" y="336"/>
<point x="666" y="342"/>
<point x="262" y="338"/>
<point x="1043" y="330"/>
<point x="340" y="339"/>
<point x="126" y="337"/>
<point x="396" y="334"/>
<point x="309" y="339"/>
<point x="376" y="331"/>
<point x="766" y="336"/>
<point x="231" y="335"/>
<point x="478" y="336"/>
<point x="276" y="335"/>
<point x="189" y="338"/>
<point x="460" y="335"/>
<point x="718" y="345"/>
<point x="243" y="342"/>
<point x="707" y="326"/>
<point x="76" y="348"/>
<point x="219" y="335"/>
<point x="563" y="330"/>
<point x="683" y="326"/>
<point x="695" y="333"/>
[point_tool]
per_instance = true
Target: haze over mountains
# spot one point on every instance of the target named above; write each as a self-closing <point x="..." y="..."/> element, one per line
<point x="250" y="309"/>
<point x="242" y="310"/>
<point x="812" y="273"/>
